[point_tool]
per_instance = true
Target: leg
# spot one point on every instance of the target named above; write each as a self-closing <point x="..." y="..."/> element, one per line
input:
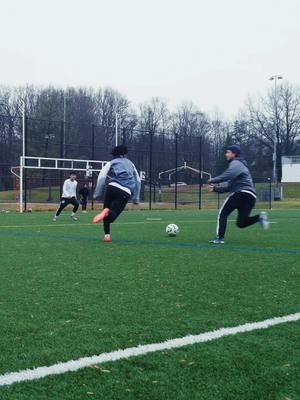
<point x="75" y="204"/>
<point x="247" y="202"/>
<point x="115" y="200"/>
<point x="63" y="204"/>
<point x="229" y="205"/>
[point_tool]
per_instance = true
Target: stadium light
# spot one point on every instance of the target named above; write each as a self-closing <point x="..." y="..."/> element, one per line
<point x="64" y="123"/>
<point x="117" y="128"/>
<point x="275" y="78"/>
<point x="23" y="126"/>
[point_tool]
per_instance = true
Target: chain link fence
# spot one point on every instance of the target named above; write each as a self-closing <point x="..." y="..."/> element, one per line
<point x="174" y="168"/>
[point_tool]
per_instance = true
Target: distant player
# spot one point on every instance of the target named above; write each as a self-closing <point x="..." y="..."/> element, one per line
<point x="68" y="197"/>
<point x="242" y="194"/>
<point x="83" y="195"/>
<point x="123" y="183"/>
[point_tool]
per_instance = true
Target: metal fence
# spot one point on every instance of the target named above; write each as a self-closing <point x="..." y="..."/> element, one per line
<point x="174" y="167"/>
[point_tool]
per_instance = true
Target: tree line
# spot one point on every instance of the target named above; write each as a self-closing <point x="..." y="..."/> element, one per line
<point x="81" y="123"/>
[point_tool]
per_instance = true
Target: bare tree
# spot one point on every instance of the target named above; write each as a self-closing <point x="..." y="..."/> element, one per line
<point x="276" y="119"/>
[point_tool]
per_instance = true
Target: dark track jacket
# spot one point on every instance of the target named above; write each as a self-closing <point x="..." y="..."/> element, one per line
<point x="237" y="176"/>
<point x="121" y="171"/>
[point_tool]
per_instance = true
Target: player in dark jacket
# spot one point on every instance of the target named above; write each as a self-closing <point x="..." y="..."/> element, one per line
<point x="123" y="183"/>
<point x="242" y="194"/>
<point x="84" y="194"/>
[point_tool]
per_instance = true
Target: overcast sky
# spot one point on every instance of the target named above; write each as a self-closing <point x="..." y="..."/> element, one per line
<point x="213" y="52"/>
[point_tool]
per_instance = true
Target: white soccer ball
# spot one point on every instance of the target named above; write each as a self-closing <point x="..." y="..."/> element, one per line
<point x="172" y="230"/>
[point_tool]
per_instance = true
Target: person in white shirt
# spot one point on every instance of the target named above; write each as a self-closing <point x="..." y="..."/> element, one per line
<point x="68" y="197"/>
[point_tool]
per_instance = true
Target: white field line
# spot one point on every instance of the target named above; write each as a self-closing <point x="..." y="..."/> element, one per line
<point x="148" y="222"/>
<point x="74" y="365"/>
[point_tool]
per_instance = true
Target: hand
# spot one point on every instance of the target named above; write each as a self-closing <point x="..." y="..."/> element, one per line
<point x="210" y="187"/>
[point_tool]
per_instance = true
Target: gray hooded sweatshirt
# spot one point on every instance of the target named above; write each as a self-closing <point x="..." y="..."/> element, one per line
<point x="237" y="176"/>
<point x="122" y="173"/>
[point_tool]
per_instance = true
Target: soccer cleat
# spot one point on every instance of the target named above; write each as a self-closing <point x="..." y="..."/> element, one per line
<point x="74" y="218"/>
<point x="99" y="217"/>
<point x="263" y="220"/>
<point x="107" y="238"/>
<point x="55" y="218"/>
<point x="217" y="240"/>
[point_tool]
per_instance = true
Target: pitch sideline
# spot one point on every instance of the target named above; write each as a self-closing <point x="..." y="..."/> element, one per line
<point x="74" y="365"/>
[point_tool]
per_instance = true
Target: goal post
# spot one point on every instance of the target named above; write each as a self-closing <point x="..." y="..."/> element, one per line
<point x="172" y="171"/>
<point x="58" y="164"/>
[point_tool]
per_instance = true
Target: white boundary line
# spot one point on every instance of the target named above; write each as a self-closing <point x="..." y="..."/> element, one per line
<point x="74" y="365"/>
<point x="73" y="224"/>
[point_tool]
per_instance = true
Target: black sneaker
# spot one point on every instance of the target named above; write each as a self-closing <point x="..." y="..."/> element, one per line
<point x="217" y="240"/>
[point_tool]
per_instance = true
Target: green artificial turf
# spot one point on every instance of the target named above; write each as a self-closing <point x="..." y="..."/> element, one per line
<point x="64" y="294"/>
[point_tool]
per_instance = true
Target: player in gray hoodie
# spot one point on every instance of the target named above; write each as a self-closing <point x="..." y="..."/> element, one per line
<point x="123" y="183"/>
<point x="242" y="194"/>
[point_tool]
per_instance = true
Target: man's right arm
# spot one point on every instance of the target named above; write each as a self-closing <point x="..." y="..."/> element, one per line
<point x="234" y="170"/>
<point x="221" y="189"/>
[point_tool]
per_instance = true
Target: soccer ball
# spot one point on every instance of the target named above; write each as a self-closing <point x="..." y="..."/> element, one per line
<point x="172" y="230"/>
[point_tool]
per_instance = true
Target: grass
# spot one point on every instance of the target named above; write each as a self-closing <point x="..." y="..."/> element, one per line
<point x="64" y="295"/>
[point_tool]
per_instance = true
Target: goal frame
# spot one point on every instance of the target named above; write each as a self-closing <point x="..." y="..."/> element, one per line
<point x="58" y="164"/>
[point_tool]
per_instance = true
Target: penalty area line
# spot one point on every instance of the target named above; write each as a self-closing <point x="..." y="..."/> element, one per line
<point x="74" y="365"/>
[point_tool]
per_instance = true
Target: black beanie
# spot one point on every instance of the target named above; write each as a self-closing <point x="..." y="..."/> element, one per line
<point x="235" y="148"/>
<point x="120" y="150"/>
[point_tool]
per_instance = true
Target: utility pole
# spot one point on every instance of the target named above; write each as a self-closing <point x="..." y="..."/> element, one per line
<point x="275" y="78"/>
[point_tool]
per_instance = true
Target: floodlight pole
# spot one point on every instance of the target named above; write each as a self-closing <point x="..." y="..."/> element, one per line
<point x="23" y="128"/>
<point x="23" y="154"/>
<point x="275" y="136"/>
<point x="64" y="120"/>
<point x="116" y="142"/>
<point x="176" y="170"/>
<point x="200" y="172"/>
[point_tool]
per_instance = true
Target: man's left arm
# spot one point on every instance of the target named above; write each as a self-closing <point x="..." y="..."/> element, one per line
<point x="137" y="189"/>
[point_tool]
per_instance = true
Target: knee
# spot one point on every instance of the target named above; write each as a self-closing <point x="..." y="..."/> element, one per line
<point x="223" y="216"/>
<point x="241" y="223"/>
<point x="111" y="216"/>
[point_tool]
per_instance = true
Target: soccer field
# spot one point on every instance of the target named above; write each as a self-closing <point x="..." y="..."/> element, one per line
<point x="65" y="295"/>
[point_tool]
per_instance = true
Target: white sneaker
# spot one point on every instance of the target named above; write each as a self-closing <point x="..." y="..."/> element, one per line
<point x="263" y="220"/>
<point x="217" y="240"/>
<point x="55" y="218"/>
<point x="74" y="218"/>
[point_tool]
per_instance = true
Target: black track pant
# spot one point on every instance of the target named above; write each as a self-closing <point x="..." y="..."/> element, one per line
<point x="84" y="203"/>
<point x="65" y="201"/>
<point x="116" y="200"/>
<point x="241" y="201"/>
